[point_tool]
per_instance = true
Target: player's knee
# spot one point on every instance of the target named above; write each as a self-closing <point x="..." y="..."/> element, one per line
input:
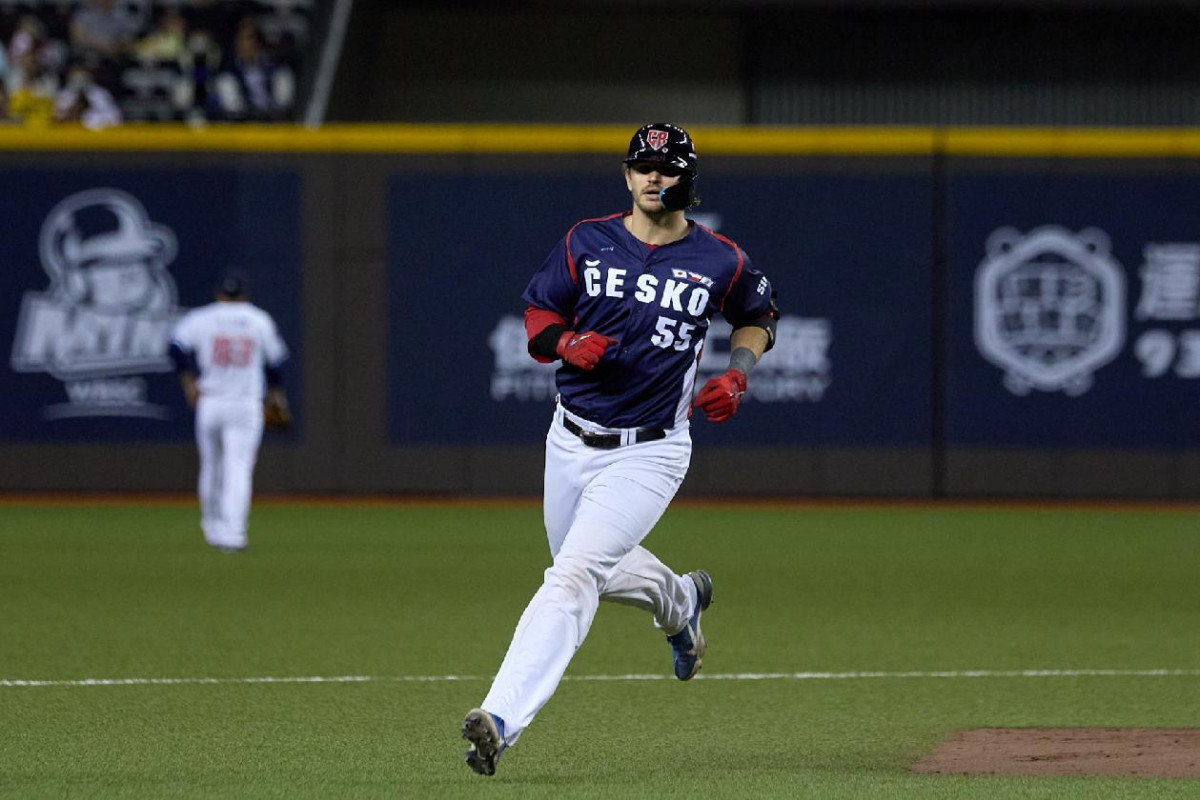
<point x="576" y="578"/>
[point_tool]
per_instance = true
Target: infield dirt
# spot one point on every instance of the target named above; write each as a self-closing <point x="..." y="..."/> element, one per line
<point x="1149" y="752"/>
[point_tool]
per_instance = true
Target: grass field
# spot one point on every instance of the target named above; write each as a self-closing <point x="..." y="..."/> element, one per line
<point x="827" y="628"/>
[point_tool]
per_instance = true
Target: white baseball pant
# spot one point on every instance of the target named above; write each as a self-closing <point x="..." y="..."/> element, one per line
<point x="228" y="433"/>
<point x="598" y="506"/>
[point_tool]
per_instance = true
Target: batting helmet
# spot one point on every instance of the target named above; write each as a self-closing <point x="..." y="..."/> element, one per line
<point x="664" y="143"/>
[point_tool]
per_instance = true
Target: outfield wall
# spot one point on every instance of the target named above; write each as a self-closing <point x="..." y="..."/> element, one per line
<point x="966" y="312"/>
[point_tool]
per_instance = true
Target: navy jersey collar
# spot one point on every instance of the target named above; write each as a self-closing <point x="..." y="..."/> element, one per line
<point x="691" y="233"/>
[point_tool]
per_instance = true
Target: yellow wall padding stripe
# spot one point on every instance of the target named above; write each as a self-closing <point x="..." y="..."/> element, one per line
<point x="1074" y="142"/>
<point x="610" y="139"/>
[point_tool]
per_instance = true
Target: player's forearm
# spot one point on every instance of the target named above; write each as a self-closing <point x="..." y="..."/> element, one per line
<point x="190" y="390"/>
<point x="544" y="329"/>
<point x="747" y="346"/>
<point x="720" y="396"/>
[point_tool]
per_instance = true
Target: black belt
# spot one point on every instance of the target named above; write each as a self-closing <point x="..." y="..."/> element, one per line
<point x="609" y="441"/>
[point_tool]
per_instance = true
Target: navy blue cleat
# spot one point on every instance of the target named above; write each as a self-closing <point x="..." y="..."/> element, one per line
<point x="485" y="732"/>
<point x="688" y="645"/>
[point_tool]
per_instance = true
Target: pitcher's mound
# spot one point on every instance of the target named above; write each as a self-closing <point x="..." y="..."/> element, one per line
<point x="1152" y="752"/>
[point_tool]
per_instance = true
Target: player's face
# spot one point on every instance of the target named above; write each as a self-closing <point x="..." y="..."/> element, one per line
<point x="646" y="179"/>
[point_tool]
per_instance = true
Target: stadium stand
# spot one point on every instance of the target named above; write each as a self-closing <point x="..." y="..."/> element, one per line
<point x="102" y="62"/>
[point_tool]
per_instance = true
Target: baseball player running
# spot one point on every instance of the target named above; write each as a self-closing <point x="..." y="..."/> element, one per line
<point x="225" y="352"/>
<point x="624" y="301"/>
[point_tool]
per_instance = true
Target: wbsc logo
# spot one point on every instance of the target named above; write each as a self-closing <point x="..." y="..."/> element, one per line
<point x="1049" y="308"/>
<point x="109" y="308"/>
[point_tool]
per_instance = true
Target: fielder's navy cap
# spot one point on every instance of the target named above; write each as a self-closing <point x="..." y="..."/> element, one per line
<point x="233" y="284"/>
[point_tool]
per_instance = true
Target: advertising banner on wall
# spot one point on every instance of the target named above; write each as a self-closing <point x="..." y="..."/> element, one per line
<point x="1075" y="311"/>
<point x="848" y="256"/>
<point x="98" y="268"/>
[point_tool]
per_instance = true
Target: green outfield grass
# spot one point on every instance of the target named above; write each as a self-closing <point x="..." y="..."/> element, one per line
<point x="407" y="596"/>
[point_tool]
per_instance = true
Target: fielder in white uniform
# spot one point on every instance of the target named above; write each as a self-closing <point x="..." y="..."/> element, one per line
<point x="228" y="355"/>
<point x="624" y="301"/>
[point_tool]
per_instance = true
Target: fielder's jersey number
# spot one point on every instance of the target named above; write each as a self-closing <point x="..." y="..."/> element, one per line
<point x="232" y="351"/>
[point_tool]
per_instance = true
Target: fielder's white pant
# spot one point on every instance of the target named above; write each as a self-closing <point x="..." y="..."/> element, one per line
<point x="228" y="433"/>
<point x="599" y="505"/>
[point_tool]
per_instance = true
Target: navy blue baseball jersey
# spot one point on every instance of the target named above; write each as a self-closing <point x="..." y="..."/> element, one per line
<point x="656" y="301"/>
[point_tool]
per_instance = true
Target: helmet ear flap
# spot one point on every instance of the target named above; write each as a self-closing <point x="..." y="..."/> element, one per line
<point x="680" y="195"/>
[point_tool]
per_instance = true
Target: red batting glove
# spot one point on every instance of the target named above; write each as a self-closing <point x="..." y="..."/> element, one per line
<point x="720" y="396"/>
<point x="582" y="350"/>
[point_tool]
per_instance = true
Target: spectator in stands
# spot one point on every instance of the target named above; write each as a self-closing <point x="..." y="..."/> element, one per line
<point x="32" y="79"/>
<point x="201" y="65"/>
<point x="161" y="86"/>
<point x="31" y="51"/>
<point x="253" y="86"/>
<point x="84" y="100"/>
<point x="21" y="51"/>
<point x="173" y="44"/>
<point x="4" y="67"/>
<point x="33" y="101"/>
<point x="27" y="32"/>
<point x="6" y="117"/>
<point x="285" y="32"/>
<point x="167" y="40"/>
<point x="100" y="27"/>
<point x="103" y="35"/>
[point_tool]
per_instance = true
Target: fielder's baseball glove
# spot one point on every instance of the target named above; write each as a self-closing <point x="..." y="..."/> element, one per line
<point x="276" y="416"/>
